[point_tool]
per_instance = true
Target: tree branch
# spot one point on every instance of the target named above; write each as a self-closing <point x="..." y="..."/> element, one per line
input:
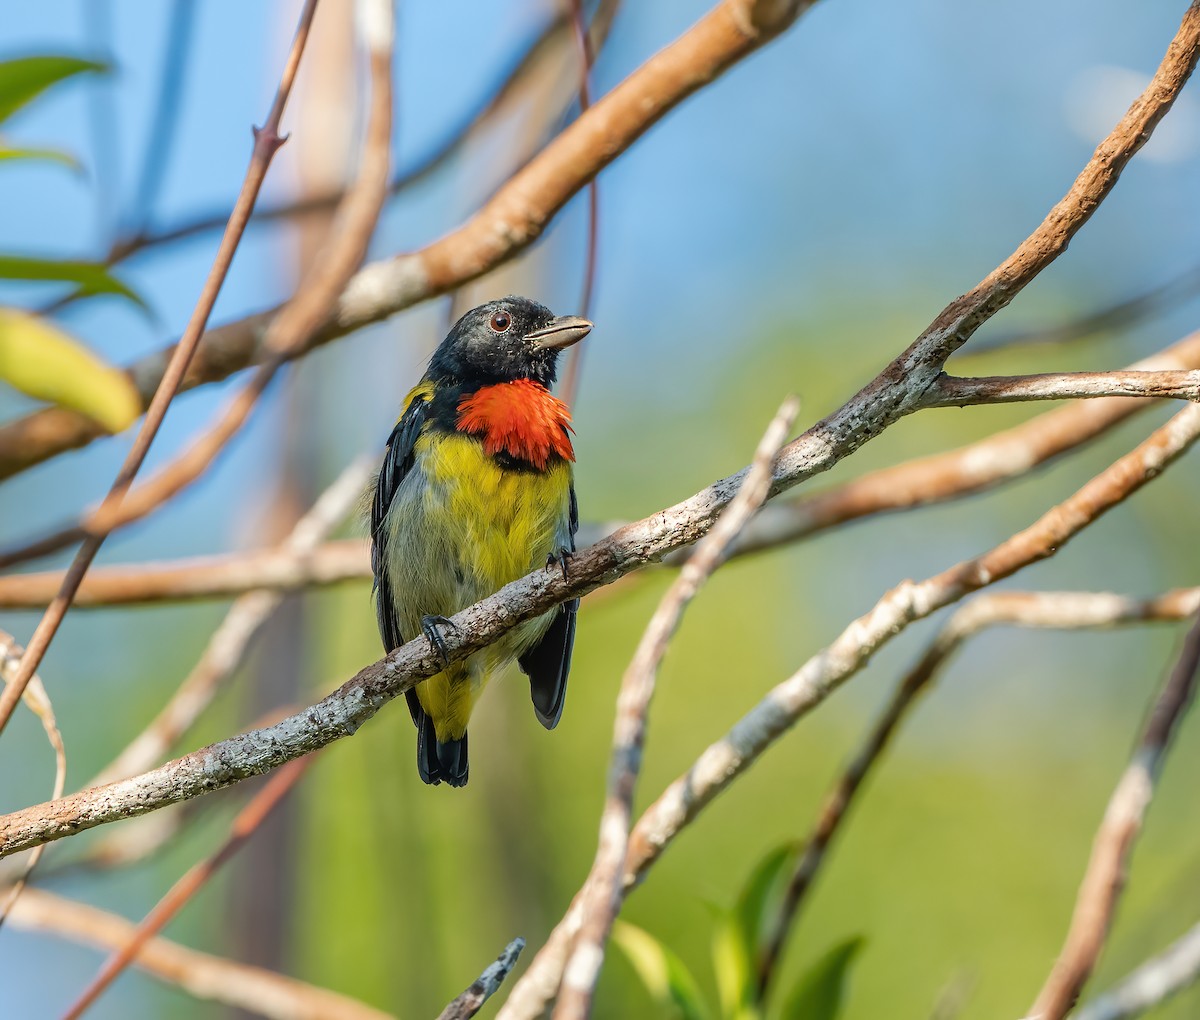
<point x="1151" y="984"/>
<point x="266" y="144"/>
<point x="485" y="986"/>
<point x="1105" y="876"/>
<point x="601" y="893"/>
<point x="1045" y="610"/>
<point x="201" y="975"/>
<point x="950" y="391"/>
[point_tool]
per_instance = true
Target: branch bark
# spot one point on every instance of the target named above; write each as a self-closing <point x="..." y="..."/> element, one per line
<point x="201" y="975"/>
<point x="1104" y="879"/>
<point x="601" y="892"/>
<point x="485" y="986"/>
<point x="1151" y="984"/>
<point x="1044" y="610"/>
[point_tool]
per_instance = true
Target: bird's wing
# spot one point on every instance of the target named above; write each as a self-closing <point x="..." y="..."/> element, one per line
<point x="548" y="663"/>
<point x="397" y="463"/>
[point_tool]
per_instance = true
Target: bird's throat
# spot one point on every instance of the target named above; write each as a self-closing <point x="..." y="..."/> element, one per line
<point x="522" y="419"/>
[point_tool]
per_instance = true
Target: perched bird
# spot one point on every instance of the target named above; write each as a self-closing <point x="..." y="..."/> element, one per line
<point x="476" y="490"/>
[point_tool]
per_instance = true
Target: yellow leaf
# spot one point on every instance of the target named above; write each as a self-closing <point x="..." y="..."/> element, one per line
<point x="41" y="360"/>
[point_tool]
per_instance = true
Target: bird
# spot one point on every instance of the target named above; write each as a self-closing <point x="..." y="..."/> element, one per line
<point x="476" y="489"/>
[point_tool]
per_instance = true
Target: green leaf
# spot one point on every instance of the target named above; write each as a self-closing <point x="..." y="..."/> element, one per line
<point x="48" y="155"/>
<point x="24" y="79"/>
<point x="663" y="973"/>
<point x="819" y="993"/>
<point x="41" y="360"/>
<point x="89" y="277"/>
<point x="736" y="939"/>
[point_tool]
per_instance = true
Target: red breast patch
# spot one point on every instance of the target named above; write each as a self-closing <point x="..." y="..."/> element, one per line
<point x="521" y="418"/>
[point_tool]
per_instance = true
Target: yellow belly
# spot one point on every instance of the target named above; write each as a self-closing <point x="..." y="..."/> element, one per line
<point x="459" y="528"/>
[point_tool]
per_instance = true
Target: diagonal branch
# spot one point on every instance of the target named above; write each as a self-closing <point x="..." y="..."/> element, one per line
<point x="266" y="143"/>
<point x="1047" y="610"/>
<point x="201" y="975"/>
<point x="601" y="894"/>
<point x="1104" y="879"/>
<point x="472" y="998"/>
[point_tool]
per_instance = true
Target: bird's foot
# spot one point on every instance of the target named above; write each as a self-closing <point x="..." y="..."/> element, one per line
<point x="429" y="627"/>
<point x="560" y="560"/>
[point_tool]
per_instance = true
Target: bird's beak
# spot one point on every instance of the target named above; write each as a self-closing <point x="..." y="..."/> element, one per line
<point x="562" y="332"/>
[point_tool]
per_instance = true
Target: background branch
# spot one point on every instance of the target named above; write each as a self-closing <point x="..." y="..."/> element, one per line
<point x="485" y="986"/>
<point x="1046" y="610"/>
<point x="601" y="893"/>
<point x="201" y="975"/>
<point x="266" y="144"/>
<point x="1151" y="984"/>
<point x="1105" y="876"/>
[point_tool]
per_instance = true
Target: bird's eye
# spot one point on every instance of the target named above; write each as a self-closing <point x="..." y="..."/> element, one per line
<point x="500" y="322"/>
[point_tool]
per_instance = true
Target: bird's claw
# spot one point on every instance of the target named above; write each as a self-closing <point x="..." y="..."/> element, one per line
<point x="429" y="627"/>
<point x="559" y="559"/>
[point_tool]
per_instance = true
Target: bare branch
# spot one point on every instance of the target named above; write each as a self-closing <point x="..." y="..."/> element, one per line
<point x="247" y="822"/>
<point x="227" y="647"/>
<point x="1151" y="984"/>
<point x="950" y="391"/>
<point x="722" y="762"/>
<point x="485" y="986"/>
<point x="199" y="974"/>
<point x="38" y="702"/>
<point x="1104" y="879"/>
<point x="601" y="894"/>
<point x="508" y="224"/>
<point x="266" y="144"/>
<point x="1047" y="610"/>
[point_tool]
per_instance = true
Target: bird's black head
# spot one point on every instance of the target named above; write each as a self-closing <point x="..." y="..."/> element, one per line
<point x="513" y="338"/>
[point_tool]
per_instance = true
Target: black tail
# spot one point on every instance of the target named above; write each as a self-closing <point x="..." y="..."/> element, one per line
<point x="437" y="762"/>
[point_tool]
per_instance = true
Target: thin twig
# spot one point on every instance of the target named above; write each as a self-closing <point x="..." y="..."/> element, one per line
<point x="1121" y="315"/>
<point x="202" y="975"/>
<point x="1150" y="984"/>
<point x="485" y="986"/>
<point x="1047" y="610"/>
<point x="160" y="140"/>
<point x="38" y="702"/>
<point x="1104" y="879"/>
<point x="227" y="647"/>
<point x="570" y="388"/>
<point x="290" y="330"/>
<point x="601" y="894"/>
<point x="727" y="759"/>
<point x="950" y="391"/>
<point x="266" y="143"/>
<point x="507" y="224"/>
<point x="247" y="822"/>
